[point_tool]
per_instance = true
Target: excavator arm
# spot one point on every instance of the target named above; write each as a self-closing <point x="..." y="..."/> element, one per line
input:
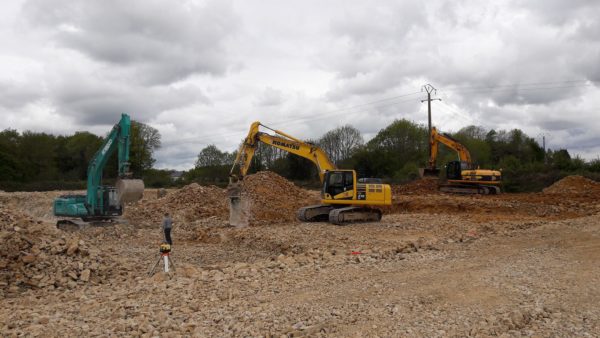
<point x="436" y="138"/>
<point x="282" y="141"/>
<point x="117" y="139"/>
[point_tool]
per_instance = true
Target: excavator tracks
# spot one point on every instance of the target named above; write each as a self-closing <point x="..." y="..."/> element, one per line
<point x="343" y="216"/>
<point x="470" y="189"/>
<point x="75" y="224"/>
<point x="314" y="213"/>
<point x="338" y="216"/>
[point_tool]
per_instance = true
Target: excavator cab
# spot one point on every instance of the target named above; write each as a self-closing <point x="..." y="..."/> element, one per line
<point x="454" y="170"/>
<point x="339" y="184"/>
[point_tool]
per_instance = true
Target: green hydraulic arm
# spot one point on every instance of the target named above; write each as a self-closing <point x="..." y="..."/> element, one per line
<point x="118" y="138"/>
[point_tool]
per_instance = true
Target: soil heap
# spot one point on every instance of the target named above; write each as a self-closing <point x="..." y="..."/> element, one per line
<point x="273" y="198"/>
<point x="268" y="198"/>
<point x="416" y="187"/>
<point x="37" y="255"/>
<point x="574" y="184"/>
<point x="187" y="204"/>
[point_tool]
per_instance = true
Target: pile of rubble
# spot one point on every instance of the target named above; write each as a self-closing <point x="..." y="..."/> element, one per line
<point x="37" y="204"/>
<point x="37" y="255"/>
<point x="574" y="184"/>
<point x="267" y="197"/>
<point x="187" y="204"/>
<point x="416" y="187"/>
<point x="273" y="198"/>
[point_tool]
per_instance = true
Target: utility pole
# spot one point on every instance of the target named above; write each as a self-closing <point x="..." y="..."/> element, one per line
<point x="544" y="143"/>
<point x="544" y="146"/>
<point x="429" y="89"/>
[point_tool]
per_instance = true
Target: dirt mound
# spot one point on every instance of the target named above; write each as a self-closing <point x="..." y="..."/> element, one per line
<point x="417" y="187"/>
<point x="37" y="255"/>
<point x="187" y="204"/>
<point x="574" y="184"/>
<point x="37" y="204"/>
<point x="268" y="197"/>
<point x="273" y="198"/>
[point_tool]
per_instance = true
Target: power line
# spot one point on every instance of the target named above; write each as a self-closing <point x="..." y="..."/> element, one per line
<point x="313" y="117"/>
<point x="515" y="88"/>
<point x="328" y="115"/>
<point x="457" y="88"/>
<point x="454" y="114"/>
<point x="342" y="111"/>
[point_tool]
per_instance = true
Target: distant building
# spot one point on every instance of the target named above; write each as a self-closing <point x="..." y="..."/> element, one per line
<point x="176" y="175"/>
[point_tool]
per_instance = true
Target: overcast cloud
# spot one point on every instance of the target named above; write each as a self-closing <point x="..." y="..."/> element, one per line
<point x="201" y="71"/>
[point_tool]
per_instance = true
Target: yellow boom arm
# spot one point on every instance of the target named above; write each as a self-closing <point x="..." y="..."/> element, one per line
<point x="435" y="138"/>
<point x="282" y="141"/>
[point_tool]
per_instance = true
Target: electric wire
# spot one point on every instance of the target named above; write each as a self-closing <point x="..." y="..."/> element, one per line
<point x="312" y="117"/>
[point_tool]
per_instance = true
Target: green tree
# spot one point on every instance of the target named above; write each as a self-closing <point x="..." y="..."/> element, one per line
<point x="211" y="156"/>
<point x="10" y="165"/>
<point x="561" y="159"/>
<point x="144" y="141"/>
<point x="74" y="154"/>
<point x="474" y="138"/>
<point x="340" y="143"/>
<point x="37" y="153"/>
<point x="392" y="148"/>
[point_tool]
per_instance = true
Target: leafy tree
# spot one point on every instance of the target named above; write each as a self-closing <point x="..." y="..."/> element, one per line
<point x="341" y="142"/>
<point x="36" y="153"/>
<point x="75" y="152"/>
<point x="9" y="159"/>
<point x="594" y="165"/>
<point x="561" y="159"/>
<point x="157" y="178"/>
<point x="144" y="141"/>
<point x="211" y="156"/>
<point x="399" y="143"/>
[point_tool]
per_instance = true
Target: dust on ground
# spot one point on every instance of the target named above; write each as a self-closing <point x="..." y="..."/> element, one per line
<point x="436" y="265"/>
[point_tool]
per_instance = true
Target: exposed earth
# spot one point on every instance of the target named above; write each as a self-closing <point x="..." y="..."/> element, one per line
<point x="436" y="265"/>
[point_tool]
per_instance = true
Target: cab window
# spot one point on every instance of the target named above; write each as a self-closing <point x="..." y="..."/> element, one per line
<point x="339" y="182"/>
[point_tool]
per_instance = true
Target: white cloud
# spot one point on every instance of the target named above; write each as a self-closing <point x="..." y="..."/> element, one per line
<point x="201" y="71"/>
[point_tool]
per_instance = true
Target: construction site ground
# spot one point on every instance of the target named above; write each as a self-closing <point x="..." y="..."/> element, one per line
<point x="436" y="265"/>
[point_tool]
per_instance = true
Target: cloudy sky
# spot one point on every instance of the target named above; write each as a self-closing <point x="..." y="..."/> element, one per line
<point x="201" y="71"/>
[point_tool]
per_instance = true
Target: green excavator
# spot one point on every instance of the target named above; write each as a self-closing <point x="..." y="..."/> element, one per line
<point x="103" y="203"/>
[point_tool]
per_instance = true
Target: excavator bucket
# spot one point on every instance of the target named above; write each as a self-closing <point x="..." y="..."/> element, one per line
<point x="429" y="173"/>
<point x="129" y="190"/>
<point x="237" y="209"/>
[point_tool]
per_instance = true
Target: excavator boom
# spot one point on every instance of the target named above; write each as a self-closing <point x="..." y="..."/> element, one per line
<point x="436" y="138"/>
<point x="282" y="141"/>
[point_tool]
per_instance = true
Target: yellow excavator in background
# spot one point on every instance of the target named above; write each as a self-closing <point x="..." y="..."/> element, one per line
<point x="461" y="176"/>
<point x="344" y="197"/>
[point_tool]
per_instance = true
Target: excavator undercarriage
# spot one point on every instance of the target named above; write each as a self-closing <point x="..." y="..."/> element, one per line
<point x="339" y="215"/>
<point x="461" y="188"/>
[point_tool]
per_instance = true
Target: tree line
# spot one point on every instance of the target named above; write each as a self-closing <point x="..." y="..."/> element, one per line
<point x="398" y="151"/>
<point x="40" y="161"/>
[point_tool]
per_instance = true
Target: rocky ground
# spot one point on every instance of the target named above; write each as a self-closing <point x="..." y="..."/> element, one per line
<point x="436" y="265"/>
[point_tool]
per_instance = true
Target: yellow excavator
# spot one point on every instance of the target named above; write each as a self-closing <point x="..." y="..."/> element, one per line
<point x="344" y="197"/>
<point x="461" y="176"/>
